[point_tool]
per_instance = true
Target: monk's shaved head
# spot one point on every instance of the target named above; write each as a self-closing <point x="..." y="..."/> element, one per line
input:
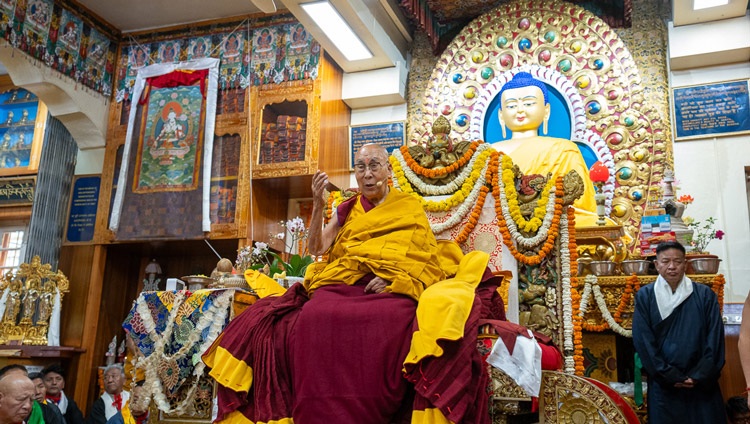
<point x="16" y="396"/>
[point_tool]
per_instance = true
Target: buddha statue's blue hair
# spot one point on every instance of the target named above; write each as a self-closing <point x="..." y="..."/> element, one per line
<point x="524" y="79"/>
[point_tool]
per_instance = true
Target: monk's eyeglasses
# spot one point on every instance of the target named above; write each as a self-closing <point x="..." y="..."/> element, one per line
<point x="372" y="166"/>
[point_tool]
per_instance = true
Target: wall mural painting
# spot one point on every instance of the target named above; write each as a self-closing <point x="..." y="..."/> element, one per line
<point x="62" y="39"/>
<point x="169" y="151"/>
<point x="580" y="58"/>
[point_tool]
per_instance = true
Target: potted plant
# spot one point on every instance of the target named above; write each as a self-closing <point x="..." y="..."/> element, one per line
<point x="286" y="267"/>
<point x="700" y="261"/>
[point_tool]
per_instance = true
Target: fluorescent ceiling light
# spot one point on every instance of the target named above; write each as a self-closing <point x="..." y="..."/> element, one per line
<point x="705" y="4"/>
<point x="337" y="30"/>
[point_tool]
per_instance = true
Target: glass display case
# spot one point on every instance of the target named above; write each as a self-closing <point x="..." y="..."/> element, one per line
<point x="22" y="119"/>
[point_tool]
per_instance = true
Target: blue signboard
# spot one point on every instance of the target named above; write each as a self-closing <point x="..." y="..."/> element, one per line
<point x="389" y="135"/>
<point x="83" y="204"/>
<point x="714" y="109"/>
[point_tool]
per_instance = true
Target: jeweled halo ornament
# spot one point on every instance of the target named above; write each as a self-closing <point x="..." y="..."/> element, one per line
<point x="578" y="55"/>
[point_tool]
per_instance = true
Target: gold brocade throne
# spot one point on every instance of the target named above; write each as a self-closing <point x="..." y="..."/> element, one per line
<point x="30" y="296"/>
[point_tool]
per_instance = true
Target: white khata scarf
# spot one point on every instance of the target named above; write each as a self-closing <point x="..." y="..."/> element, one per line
<point x="668" y="301"/>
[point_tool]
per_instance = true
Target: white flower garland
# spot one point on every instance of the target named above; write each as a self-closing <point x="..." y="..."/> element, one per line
<point x="437" y="190"/>
<point x="567" y="302"/>
<point x="592" y="285"/>
<point x="541" y="234"/>
<point x="466" y="206"/>
<point x="213" y="319"/>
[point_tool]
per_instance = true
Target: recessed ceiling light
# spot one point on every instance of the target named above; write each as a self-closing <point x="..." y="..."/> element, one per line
<point x="337" y="30"/>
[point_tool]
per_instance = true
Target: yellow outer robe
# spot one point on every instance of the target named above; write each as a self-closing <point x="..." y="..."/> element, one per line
<point x="393" y="240"/>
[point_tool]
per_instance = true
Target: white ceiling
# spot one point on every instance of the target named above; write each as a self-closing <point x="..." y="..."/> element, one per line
<point x="139" y="15"/>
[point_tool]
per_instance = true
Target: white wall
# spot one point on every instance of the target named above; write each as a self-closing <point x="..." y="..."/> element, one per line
<point x="712" y="170"/>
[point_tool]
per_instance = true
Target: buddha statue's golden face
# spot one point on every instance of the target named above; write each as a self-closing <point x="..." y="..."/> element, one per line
<point x="523" y="109"/>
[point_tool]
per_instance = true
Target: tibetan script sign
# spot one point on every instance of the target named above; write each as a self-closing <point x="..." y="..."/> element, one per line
<point x="83" y="204"/>
<point x="712" y="110"/>
<point x="389" y="135"/>
<point x="17" y="191"/>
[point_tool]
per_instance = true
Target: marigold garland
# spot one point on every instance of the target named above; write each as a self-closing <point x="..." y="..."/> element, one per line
<point x="549" y="243"/>
<point x="439" y="172"/>
<point x="457" y="198"/>
<point x="575" y="296"/>
<point x="474" y="217"/>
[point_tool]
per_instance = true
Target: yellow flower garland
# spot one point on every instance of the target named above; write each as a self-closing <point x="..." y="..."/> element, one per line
<point x="533" y="224"/>
<point x="456" y="198"/>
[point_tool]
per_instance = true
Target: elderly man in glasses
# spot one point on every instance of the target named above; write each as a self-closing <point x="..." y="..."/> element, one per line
<point x="348" y="345"/>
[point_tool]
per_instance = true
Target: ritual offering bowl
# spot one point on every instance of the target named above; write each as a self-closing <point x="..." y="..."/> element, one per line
<point x="705" y="265"/>
<point x="635" y="266"/>
<point x="197" y="282"/>
<point x="602" y="268"/>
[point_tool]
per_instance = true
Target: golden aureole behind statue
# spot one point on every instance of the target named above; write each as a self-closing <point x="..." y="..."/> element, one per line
<point x="30" y="304"/>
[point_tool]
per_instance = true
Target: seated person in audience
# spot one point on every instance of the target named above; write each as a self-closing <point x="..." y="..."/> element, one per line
<point x="345" y="346"/>
<point x="16" y="397"/>
<point x="40" y="391"/>
<point x="737" y="410"/>
<point x="113" y="398"/>
<point x="14" y="381"/>
<point x="54" y="381"/>
<point x="135" y="410"/>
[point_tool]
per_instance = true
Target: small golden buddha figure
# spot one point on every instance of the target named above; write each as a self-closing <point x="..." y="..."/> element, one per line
<point x="524" y="108"/>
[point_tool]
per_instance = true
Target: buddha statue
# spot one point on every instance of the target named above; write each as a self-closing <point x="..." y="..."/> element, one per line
<point x="524" y="107"/>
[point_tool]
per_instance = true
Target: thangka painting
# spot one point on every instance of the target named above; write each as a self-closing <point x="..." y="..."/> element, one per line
<point x="263" y="59"/>
<point x="164" y="182"/>
<point x="56" y="35"/>
<point x="199" y="47"/>
<point x="36" y="25"/>
<point x="169" y="52"/>
<point x="232" y="46"/>
<point x="94" y="64"/>
<point x="302" y="52"/>
<point x="68" y="41"/>
<point x="7" y="7"/>
<point x="170" y="146"/>
<point x="138" y="57"/>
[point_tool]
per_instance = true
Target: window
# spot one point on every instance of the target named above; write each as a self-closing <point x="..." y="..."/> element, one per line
<point x="12" y="246"/>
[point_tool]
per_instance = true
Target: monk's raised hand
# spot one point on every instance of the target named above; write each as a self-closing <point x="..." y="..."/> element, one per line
<point x="319" y="181"/>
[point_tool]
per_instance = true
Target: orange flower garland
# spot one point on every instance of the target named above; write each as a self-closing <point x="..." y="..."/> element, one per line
<point x="575" y="296"/>
<point x="329" y="208"/>
<point x="477" y="209"/>
<point x="439" y="172"/>
<point x="553" y="230"/>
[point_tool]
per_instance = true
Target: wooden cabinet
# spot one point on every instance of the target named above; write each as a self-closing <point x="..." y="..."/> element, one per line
<point x="296" y="128"/>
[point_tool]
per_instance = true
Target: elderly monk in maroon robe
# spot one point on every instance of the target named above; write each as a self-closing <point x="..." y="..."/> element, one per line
<point x="346" y="346"/>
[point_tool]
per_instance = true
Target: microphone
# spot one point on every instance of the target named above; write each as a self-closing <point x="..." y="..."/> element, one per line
<point x="379" y="183"/>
